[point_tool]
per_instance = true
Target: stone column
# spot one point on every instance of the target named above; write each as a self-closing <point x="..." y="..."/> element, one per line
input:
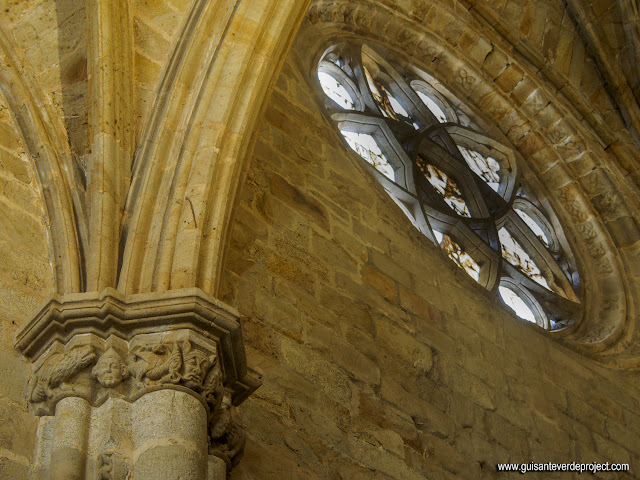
<point x="171" y="445"/>
<point x="70" y="430"/>
<point x="136" y="387"/>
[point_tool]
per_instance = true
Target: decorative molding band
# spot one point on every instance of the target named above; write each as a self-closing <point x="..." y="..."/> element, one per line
<point x="521" y="47"/>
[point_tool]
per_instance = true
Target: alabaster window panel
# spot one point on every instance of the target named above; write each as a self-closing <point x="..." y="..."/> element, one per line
<point x="459" y="186"/>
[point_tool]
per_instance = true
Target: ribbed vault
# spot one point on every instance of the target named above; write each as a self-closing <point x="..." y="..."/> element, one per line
<point x="148" y="207"/>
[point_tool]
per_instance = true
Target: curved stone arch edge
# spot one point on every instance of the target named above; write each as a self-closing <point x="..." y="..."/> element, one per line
<point x="50" y="156"/>
<point x="324" y="32"/>
<point x="227" y="153"/>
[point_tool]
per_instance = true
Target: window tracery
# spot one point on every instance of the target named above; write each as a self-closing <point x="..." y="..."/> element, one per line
<point x="335" y="90"/>
<point x="533" y="225"/>
<point x="461" y="188"/>
<point x="487" y="168"/>
<point x="365" y="146"/>
<point x="513" y="300"/>
<point x="513" y="253"/>
<point x="458" y="255"/>
<point x="432" y="106"/>
<point x="446" y="186"/>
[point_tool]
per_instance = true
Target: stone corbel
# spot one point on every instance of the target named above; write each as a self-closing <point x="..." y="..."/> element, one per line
<point x="101" y="346"/>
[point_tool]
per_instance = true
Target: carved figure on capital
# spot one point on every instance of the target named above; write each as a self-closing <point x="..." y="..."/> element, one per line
<point x="110" y="369"/>
<point x="183" y="363"/>
<point x="202" y="374"/>
<point x="57" y="370"/>
<point x="179" y="364"/>
<point x="226" y="438"/>
<point x="196" y="366"/>
<point x="158" y="363"/>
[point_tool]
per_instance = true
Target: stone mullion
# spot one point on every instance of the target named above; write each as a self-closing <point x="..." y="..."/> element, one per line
<point x="110" y="80"/>
<point x="363" y="85"/>
<point x="540" y="253"/>
<point x="476" y="226"/>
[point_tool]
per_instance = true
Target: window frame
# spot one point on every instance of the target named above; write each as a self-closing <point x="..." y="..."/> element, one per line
<point x="439" y="145"/>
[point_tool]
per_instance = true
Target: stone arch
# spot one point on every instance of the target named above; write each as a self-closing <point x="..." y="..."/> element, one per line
<point x="46" y="140"/>
<point x="546" y="130"/>
<point x="190" y="158"/>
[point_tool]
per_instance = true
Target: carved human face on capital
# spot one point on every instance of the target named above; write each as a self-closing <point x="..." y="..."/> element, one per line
<point x="196" y="365"/>
<point x="110" y="370"/>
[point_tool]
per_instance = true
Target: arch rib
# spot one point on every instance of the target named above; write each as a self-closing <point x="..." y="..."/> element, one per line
<point x="46" y="140"/>
<point x="192" y="155"/>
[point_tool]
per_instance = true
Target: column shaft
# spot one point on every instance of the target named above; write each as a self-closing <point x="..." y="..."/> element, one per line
<point x="69" y="449"/>
<point x="169" y="436"/>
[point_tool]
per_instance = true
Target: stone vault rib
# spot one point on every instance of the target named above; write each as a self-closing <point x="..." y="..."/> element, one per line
<point x="191" y="158"/>
<point x="48" y="146"/>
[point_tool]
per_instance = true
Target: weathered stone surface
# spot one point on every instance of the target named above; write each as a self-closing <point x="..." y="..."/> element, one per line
<point x="384" y="285"/>
<point x="17" y="429"/>
<point x="299" y="201"/>
<point x="10" y="468"/>
<point x="451" y="373"/>
<point x="378" y="361"/>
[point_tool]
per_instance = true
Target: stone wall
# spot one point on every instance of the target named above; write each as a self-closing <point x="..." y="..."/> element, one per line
<point x="379" y="358"/>
<point x="25" y="279"/>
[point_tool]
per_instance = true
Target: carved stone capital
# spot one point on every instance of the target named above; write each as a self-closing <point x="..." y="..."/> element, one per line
<point x="107" y="345"/>
<point x="110" y="314"/>
<point x="95" y="369"/>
